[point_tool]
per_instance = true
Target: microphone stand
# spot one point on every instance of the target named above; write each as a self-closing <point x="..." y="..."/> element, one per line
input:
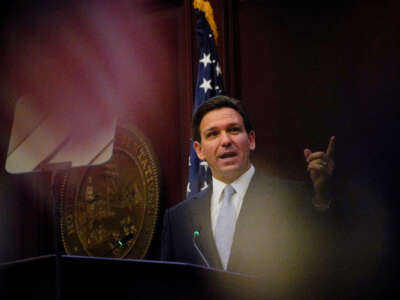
<point x="195" y="235"/>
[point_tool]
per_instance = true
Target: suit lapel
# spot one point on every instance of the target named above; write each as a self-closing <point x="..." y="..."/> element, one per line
<point x="202" y="223"/>
<point x="254" y="202"/>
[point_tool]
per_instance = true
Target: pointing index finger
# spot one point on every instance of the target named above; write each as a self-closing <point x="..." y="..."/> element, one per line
<point x="331" y="148"/>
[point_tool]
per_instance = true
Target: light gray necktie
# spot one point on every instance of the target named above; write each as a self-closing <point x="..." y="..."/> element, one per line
<point x="225" y="227"/>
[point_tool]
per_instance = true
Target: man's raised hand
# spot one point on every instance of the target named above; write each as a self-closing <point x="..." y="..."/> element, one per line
<point x="320" y="166"/>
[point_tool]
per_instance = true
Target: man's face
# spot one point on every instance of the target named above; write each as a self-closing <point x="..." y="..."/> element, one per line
<point x="225" y="144"/>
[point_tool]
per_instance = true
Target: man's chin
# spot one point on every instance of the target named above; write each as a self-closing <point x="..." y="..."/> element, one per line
<point x="229" y="168"/>
<point x="230" y="173"/>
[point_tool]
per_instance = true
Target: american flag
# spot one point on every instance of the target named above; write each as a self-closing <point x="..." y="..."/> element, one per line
<point x="209" y="84"/>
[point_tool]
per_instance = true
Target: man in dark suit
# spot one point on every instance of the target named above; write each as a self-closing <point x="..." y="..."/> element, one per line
<point x="275" y="224"/>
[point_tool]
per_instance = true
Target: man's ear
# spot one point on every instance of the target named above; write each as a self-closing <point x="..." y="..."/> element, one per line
<point x="197" y="148"/>
<point x="252" y="140"/>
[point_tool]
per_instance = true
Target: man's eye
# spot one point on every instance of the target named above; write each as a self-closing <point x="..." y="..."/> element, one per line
<point x="212" y="134"/>
<point x="235" y="129"/>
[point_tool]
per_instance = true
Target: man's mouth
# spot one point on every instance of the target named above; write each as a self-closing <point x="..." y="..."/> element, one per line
<point x="227" y="155"/>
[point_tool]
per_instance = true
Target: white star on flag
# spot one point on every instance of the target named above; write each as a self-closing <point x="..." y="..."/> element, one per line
<point x="206" y="59"/>
<point x="190" y="163"/>
<point x="204" y="164"/>
<point x="188" y="190"/>
<point x="205" y="185"/>
<point x="206" y="85"/>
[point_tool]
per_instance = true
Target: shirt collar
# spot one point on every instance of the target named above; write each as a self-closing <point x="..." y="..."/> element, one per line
<point x="240" y="184"/>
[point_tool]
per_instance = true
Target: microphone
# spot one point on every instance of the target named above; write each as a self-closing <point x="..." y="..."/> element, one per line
<point x="126" y="239"/>
<point x="196" y="233"/>
<point x="120" y="243"/>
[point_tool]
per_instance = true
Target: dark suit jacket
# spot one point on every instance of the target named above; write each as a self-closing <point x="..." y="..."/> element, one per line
<point x="276" y="232"/>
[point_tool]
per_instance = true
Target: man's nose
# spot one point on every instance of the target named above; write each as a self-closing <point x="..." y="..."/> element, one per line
<point x="225" y="139"/>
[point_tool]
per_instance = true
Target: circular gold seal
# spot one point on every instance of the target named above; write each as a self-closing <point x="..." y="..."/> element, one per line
<point x="111" y="210"/>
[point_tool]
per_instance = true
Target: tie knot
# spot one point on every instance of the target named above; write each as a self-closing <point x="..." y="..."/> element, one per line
<point x="229" y="191"/>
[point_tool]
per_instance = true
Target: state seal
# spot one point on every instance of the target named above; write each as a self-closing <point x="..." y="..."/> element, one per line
<point x="111" y="210"/>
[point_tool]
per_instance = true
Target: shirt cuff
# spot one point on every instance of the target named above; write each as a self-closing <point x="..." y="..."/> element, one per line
<point x="321" y="206"/>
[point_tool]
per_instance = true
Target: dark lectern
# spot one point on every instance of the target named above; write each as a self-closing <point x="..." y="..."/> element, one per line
<point x="105" y="278"/>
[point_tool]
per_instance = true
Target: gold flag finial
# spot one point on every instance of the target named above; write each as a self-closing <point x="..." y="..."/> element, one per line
<point x="205" y="7"/>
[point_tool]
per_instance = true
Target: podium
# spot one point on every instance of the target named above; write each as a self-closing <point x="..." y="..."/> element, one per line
<point x="110" y="278"/>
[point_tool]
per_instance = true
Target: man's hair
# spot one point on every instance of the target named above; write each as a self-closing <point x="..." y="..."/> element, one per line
<point x="214" y="103"/>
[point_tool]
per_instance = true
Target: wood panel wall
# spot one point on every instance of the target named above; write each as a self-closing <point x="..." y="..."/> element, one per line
<point x="311" y="70"/>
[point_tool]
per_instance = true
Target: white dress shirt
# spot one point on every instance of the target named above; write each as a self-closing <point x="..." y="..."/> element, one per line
<point x="240" y="185"/>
